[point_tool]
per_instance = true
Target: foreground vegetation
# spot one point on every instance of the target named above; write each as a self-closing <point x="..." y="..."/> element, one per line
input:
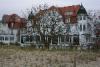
<point x="15" y="56"/>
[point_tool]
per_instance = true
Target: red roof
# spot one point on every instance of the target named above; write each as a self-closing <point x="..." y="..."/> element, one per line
<point x="15" y="19"/>
<point x="74" y="9"/>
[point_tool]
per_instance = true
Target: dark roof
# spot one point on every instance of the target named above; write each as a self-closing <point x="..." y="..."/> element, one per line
<point x="82" y="10"/>
<point x="31" y="15"/>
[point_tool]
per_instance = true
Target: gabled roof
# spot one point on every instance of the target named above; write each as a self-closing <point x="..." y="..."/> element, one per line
<point x="17" y="21"/>
<point x="82" y="10"/>
<point x="73" y="8"/>
<point x="43" y="12"/>
<point x="62" y="11"/>
<point x="53" y="8"/>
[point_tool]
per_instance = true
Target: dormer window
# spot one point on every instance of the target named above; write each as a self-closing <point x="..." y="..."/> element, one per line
<point x="69" y="13"/>
<point x="68" y="20"/>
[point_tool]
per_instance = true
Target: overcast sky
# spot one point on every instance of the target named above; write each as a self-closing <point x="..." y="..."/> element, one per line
<point x="17" y="6"/>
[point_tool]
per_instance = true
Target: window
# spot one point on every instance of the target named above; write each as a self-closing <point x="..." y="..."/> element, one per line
<point x="84" y="27"/>
<point x="24" y="38"/>
<point x="67" y="38"/>
<point x="69" y="13"/>
<point x="6" y="38"/>
<point x="11" y="38"/>
<point x="54" y="14"/>
<point x="0" y="37"/>
<point x="80" y="27"/>
<point x="84" y="18"/>
<point x="68" y="20"/>
<point x="62" y="38"/>
<point x="80" y="17"/>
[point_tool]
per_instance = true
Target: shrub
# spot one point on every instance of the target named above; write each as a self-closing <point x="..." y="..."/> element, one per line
<point x="1" y="43"/>
<point x="17" y="44"/>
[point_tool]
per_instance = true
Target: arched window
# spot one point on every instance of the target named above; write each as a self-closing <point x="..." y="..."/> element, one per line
<point x="80" y="27"/>
<point x="80" y="17"/>
<point x="84" y="27"/>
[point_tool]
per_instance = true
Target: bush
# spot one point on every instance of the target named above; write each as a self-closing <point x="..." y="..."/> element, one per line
<point x="33" y="45"/>
<point x="96" y="47"/>
<point x="1" y="43"/>
<point x="17" y="44"/>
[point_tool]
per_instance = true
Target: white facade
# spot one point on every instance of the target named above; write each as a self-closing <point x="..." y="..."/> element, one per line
<point x="7" y="35"/>
<point x="85" y="29"/>
<point x="7" y="38"/>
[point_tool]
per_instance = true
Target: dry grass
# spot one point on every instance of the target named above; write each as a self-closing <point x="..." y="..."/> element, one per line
<point x="12" y="56"/>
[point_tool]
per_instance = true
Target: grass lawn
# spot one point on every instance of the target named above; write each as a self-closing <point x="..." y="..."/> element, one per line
<point x="14" y="56"/>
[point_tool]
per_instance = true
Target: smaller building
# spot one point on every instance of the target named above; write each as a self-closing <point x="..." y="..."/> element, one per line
<point x="6" y="34"/>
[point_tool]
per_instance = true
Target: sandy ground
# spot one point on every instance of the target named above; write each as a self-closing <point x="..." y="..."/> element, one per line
<point x="38" y="58"/>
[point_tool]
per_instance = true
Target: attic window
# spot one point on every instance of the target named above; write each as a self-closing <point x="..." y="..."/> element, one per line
<point x="69" y="13"/>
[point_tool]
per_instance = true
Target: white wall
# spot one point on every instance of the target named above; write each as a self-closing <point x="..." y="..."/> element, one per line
<point x="6" y="32"/>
